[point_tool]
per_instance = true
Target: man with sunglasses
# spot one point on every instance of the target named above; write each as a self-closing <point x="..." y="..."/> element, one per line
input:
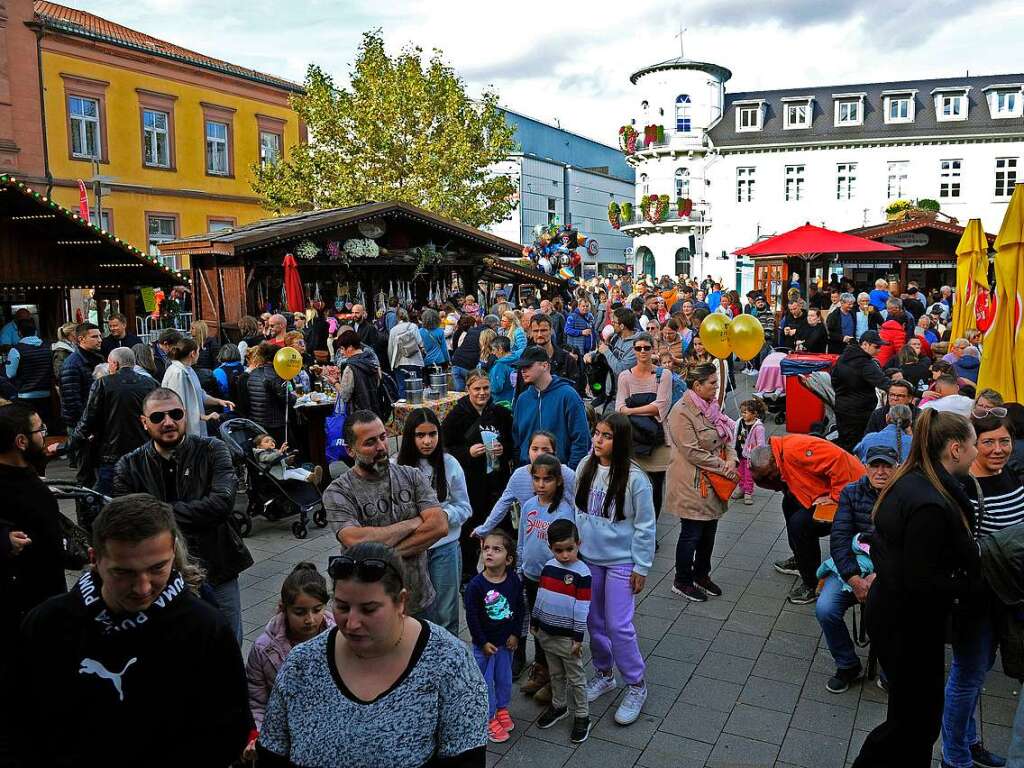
<point x="195" y="476"/>
<point x="378" y="500"/>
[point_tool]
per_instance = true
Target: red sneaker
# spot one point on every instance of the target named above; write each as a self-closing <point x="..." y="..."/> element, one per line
<point x="503" y="717"/>
<point x="495" y="732"/>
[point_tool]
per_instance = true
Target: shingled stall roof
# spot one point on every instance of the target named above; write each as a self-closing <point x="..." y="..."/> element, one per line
<point x="45" y="245"/>
<point x="873" y="127"/>
<point x="70" y="21"/>
<point x="230" y="246"/>
<point x="891" y="228"/>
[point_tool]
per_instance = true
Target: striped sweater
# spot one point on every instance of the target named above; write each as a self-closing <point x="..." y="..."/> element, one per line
<point x="563" y="599"/>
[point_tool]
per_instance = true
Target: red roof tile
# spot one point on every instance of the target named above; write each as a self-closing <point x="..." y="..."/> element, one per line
<point x="71" y="21"/>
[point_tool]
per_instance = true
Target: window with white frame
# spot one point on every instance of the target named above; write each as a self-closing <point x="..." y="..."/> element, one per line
<point x="162" y="229"/>
<point x="217" y="148"/>
<point x="798" y="115"/>
<point x="952" y="106"/>
<point x="949" y="179"/>
<point x="85" y="126"/>
<point x="794" y="183"/>
<point x="644" y="186"/>
<point x="745" y="179"/>
<point x="846" y="181"/>
<point x="1006" y="175"/>
<point x="682" y="182"/>
<point x="748" y="118"/>
<point x="104" y="222"/>
<point x="270" y="147"/>
<point x="552" y="210"/>
<point x="899" y="174"/>
<point x="900" y="109"/>
<point x="683" y="113"/>
<point x="156" y="138"/>
<point x="1006" y="103"/>
<point x="848" y="112"/>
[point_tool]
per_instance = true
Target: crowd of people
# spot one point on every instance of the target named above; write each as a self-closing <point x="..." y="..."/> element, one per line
<point x="528" y="512"/>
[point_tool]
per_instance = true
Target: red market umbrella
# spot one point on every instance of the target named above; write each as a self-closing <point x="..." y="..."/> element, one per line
<point x="809" y="241"/>
<point x="293" y="285"/>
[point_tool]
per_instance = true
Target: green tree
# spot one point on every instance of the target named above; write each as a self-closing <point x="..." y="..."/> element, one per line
<point x="404" y="131"/>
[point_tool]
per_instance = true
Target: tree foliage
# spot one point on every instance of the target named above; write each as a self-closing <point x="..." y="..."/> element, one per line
<point x="404" y="130"/>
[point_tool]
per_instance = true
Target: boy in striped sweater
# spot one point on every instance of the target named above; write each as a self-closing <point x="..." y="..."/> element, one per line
<point x="558" y="623"/>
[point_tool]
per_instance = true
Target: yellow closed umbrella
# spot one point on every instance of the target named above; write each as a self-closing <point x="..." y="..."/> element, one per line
<point x="971" y="276"/>
<point x="1002" y="366"/>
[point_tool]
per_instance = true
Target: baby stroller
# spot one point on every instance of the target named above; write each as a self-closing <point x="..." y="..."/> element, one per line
<point x="772" y="395"/>
<point x="272" y="498"/>
<point x="819" y="383"/>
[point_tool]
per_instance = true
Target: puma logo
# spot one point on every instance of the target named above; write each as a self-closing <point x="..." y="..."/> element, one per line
<point x="93" y="667"/>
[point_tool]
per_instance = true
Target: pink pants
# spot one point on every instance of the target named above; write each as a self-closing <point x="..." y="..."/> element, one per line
<point x="746" y="478"/>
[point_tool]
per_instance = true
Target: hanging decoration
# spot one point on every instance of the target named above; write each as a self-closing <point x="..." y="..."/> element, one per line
<point x="334" y="250"/>
<point x="613" y="215"/>
<point x="307" y="250"/>
<point x="554" y="249"/>
<point x="361" y="248"/>
<point x="684" y="207"/>
<point x="627" y="139"/>
<point x="654" y="208"/>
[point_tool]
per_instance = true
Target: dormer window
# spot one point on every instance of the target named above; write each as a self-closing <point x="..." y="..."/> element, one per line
<point x="898" y="106"/>
<point x="796" y="112"/>
<point x="1005" y="100"/>
<point x="749" y="115"/>
<point x="950" y="104"/>
<point x="849" y="109"/>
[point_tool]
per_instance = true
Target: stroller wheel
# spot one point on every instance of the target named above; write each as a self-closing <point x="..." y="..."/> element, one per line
<point x="300" y="530"/>
<point x="242" y="523"/>
<point x="320" y="518"/>
<point x="780" y="418"/>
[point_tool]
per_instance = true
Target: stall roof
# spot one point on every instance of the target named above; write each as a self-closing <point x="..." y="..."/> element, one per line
<point x="43" y="245"/>
<point x="889" y="228"/>
<point x="281" y="230"/>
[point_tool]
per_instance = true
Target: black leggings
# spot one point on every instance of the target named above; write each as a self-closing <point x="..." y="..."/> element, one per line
<point x="657" y="489"/>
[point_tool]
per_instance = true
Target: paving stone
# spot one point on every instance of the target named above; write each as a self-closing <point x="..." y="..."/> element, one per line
<point x="660" y="699"/>
<point x="711" y="694"/>
<point x="798" y="624"/>
<point x="776" y="585"/>
<point x="715" y="608"/>
<point x="750" y="623"/>
<point x="788" y="644"/>
<point x="662" y="607"/>
<point x="650" y="626"/>
<point x="819" y="717"/>
<point x="998" y="711"/>
<point x="682" y="648"/>
<point x="530" y="752"/>
<point x="737" y="643"/>
<point x="721" y="666"/>
<point x="814" y="689"/>
<point x="595" y="751"/>
<point x="741" y="562"/>
<point x="692" y="625"/>
<point x="668" y="751"/>
<point x="770" y="694"/>
<point x="669" y="672"/>
<point x="694" y="722"/>
<point x="757" y="723"/>
<point x="731" y="580"/>
<point x="856" y="742"/>
<point x="870" y="714"/>
<point x="998" y="684"/>
<point x="813" y="750"/>
<point x="773" y="666"/>
<point x="732" y="751"/>
<point x="760" y="604"/>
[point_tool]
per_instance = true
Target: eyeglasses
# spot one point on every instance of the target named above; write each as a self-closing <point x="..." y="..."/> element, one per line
<point x="42" y="431"/>
<point x="157" y="417"/>
<point x="368" y="569"/>
<point x="980" y="413"/>
<point x="642" y="348"/>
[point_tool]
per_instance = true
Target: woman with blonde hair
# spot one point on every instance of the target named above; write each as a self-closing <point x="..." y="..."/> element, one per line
<point x="512" y="328"/>
<point x="208" y="346"/>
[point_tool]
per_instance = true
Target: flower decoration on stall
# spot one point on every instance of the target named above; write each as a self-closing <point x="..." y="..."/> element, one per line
<point x="361" y="248"/>
<point x="426" y="256"/>
<point x="334" y="250"/>
<point x="613" y="215"/>
<point x="654" y="208"/>
<point x="307" y="250"/>
<point x="627" y="139"/>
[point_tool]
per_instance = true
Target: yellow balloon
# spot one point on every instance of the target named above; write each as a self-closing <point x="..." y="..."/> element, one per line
<point x="287" y="363"/>
<point x="714" y="332"/>
<point x="746" y="335"/>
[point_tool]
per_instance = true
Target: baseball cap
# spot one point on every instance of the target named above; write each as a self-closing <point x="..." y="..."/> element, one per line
<point x="882" y="453"/>
<point x="872" y="337"/>
<point x="530" y="356"/>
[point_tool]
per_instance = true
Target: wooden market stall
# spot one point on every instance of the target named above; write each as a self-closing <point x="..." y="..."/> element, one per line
<point x="365" y="252"/>
<point x="46" y="251"/>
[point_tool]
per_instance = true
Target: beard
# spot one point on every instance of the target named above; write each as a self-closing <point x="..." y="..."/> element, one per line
<point x="376" y="464"/>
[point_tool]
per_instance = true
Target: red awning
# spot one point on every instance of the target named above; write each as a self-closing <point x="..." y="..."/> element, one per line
<point x="809" y="240"/>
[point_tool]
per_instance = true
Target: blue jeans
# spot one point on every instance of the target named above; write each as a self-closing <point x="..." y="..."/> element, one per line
<point x="403" y="372"/>
<point x="104" y="479"/>
<point x="833" y="602"/>
<point x="459" y="378"/>
<point x="497" y="672"/>
<point x="445" y="566"/>
<point x="229" y="600"/>
<point x="974" y="652"/>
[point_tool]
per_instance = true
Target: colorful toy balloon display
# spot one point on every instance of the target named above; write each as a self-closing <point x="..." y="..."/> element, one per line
<point x="287" y="363"/>
<point x="714" y="332"/>
<point x="554" y="250"/>
<point x="746" y="336"/>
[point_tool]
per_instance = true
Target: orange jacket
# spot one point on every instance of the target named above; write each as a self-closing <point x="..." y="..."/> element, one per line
<point x="812" y="467"/>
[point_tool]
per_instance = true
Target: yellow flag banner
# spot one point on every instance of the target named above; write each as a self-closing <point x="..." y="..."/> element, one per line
<point x="971" y="277"/>
<point x="149" y="299"/>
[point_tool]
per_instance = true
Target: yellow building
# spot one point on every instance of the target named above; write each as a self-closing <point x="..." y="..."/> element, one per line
<point x="173" y="134"/>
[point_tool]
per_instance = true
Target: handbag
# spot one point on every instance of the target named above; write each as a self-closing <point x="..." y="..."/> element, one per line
<point x="722" y="486"/>
<point x="648" y="432"/>
<point x="334" y="434"/>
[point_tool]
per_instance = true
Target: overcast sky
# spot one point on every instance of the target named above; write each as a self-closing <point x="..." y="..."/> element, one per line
<point x="570" y="60"/>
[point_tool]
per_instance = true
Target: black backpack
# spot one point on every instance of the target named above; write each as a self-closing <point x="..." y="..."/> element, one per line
<point x="238" y="390"/>
<point x="384" y="398"/>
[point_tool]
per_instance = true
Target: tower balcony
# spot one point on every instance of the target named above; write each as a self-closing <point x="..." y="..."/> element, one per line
<point x="657" y="140"/>
<point x="674" y="221"/>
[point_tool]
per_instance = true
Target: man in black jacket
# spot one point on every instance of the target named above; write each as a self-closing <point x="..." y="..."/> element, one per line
<point x="268" y="397"/>
<point x="467" y="356"/>
<point x="195" y="476"/>
<point x="131" y="666"/>
<point x="111" y="419"/>
<point x="120" y="336"/>
<point x="900" y="392"/>
<point x="841" y="324"/>
<point x="855" y="380"/>
<point x="846" y="585"/>
<point x="76" y="374"/>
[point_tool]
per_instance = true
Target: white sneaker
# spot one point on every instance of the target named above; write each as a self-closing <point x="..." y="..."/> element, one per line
<point x="599" y="686"/>
<point x="629" y="709"/>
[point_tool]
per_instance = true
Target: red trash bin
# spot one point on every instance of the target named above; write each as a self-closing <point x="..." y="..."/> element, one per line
<point x="803" y="407"/>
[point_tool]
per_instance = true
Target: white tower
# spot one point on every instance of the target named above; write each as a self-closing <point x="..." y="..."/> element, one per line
<point x="677" y="102"/>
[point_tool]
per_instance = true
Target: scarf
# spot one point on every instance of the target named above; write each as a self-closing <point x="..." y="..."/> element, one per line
<point x="713" y="413"/>
<point x="88" y="591"/>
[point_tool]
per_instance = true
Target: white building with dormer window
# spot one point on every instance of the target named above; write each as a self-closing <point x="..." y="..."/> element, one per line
<point x="760" y="163"/>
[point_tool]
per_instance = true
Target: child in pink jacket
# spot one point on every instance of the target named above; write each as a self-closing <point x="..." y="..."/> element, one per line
<point x="747" y="435"/>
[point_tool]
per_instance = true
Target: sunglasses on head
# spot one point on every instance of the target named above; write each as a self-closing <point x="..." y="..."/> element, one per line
<point x="980" y="413"/>
<point x="157" y="417"/>
<point x="368" y="569"/>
